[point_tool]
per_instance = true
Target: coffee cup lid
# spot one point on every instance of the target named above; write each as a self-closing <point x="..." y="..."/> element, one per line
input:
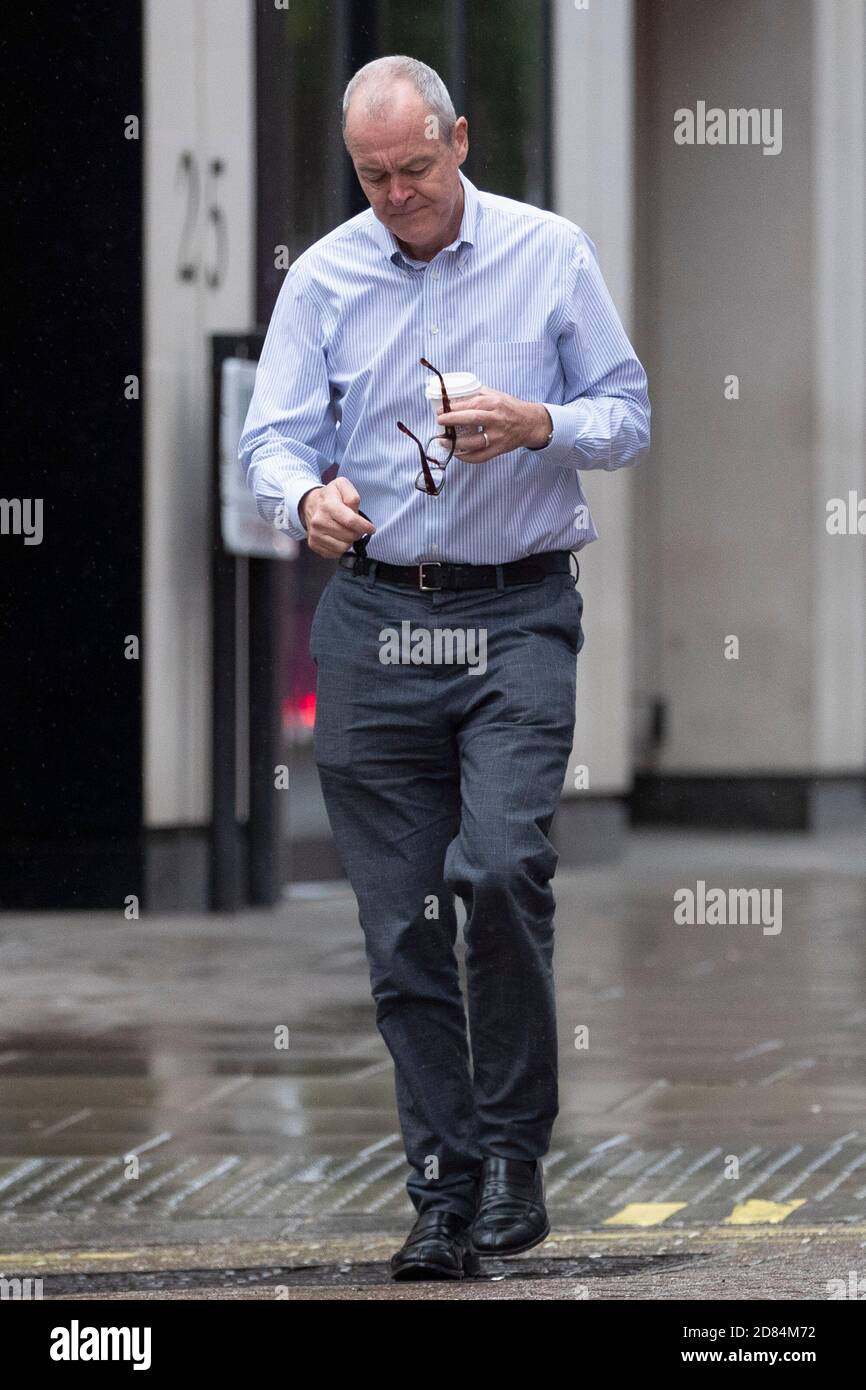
<point x="457" y="384"/>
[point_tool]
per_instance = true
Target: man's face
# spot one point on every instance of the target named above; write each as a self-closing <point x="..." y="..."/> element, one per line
<point x="407" y="173"/>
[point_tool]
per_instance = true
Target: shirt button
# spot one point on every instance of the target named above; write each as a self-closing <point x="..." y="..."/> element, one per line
<point x="435" y="274"/>
<point x="434" y="549"/>
<point x="434" y="328"/>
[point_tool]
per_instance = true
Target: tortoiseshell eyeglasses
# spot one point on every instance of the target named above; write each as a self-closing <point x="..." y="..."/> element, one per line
<point x="437" y="453"/>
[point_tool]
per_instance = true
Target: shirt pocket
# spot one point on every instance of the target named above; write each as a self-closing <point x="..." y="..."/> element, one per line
<point x="516" y="368"/>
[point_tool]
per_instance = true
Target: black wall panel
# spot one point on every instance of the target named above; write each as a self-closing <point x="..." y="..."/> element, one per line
<point x="70" y="703"/>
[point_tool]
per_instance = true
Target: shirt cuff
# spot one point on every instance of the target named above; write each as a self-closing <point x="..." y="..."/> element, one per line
<point x="566" y="421"/>
<point x="279" y="490"/>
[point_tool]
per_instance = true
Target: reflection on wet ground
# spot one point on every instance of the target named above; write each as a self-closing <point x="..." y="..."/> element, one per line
<point x="146" y="1096"/>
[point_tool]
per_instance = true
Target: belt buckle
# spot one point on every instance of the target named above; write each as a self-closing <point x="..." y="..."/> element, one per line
<point x="428" y="588"/>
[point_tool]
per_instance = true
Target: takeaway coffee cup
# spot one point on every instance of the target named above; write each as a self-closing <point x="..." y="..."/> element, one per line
<point x="459" y="386"/>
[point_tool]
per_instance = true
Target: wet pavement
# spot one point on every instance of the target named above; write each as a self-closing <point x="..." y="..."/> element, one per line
<point x="202" y="1106"/>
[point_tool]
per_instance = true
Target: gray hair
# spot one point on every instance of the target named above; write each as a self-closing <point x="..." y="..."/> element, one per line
<point x="376" y="79"/>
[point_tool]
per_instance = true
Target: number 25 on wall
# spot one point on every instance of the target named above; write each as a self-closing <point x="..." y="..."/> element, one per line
<point x="188" y="251"/>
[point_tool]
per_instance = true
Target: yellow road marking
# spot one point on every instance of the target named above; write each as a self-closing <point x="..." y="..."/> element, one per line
<point x="644" y="1214"/>
<point x="758" y="1213"/>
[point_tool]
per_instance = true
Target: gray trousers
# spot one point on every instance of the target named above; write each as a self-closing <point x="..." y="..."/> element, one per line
<point x="440" y="778"/>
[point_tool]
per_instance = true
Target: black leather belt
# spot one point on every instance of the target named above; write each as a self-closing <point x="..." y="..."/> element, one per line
<point x="433" y="575"/>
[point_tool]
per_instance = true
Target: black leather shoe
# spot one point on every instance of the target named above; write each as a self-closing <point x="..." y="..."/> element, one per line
<point x="437" y="1247"/>
<point x="511" y="1215"/>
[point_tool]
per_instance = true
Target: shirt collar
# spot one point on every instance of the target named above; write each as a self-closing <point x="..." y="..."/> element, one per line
<point x="389" y="246"/>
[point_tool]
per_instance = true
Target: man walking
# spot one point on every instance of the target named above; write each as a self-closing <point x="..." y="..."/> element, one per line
<point x="446" y="640"/>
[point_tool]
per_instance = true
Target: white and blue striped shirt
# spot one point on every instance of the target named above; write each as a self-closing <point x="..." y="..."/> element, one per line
<point x="519" y="299"/>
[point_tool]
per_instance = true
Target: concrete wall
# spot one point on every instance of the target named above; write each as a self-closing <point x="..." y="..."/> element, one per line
<point x="198" y="101"/>
<point x="740" y="273"/>
<point x="839" y="366"/>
